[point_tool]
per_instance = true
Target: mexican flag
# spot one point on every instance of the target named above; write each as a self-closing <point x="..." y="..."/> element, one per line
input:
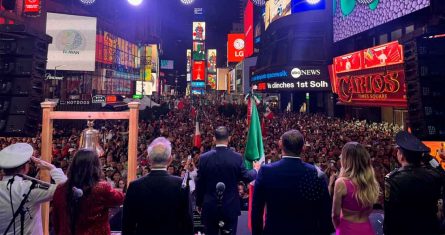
<point x="254" y="147"/>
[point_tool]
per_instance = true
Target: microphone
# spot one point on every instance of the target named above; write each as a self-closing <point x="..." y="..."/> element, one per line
<point x="77" y="192"/>
<point x="38" y="183"/>
<point x="220" y="187"/>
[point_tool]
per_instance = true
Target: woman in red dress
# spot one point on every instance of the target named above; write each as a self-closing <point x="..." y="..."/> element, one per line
<point x="81" y="205"/>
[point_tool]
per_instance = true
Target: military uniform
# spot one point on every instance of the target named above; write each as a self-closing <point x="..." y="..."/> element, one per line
<point x="412" y="194"/>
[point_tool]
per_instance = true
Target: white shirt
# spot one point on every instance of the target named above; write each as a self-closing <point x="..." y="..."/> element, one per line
<point x="18" y="188"/>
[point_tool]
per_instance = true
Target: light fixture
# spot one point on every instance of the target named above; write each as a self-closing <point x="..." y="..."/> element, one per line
<point x="187" y="2"/>
<point x="259" y="3"/>
<point x="313" y="2"/>
<point x="135" y="2"/>
<point x="87" y="2"/>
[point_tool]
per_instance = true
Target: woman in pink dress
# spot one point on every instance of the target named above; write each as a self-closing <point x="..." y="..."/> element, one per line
<point x="355" y="192"/>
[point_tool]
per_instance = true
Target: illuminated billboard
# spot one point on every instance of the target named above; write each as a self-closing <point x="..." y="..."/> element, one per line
<point x="276" y="9"/>
<point x="235" y="47"/>
<point x="198" y="72"/>
<point x="199" y="31"/>
<point x="199" y="51"/>
<point x="189" y="60"/>
<point x="248" y="29"/>
<point x="211" y="81"/>
<point x="353" y="17"/>
<point x="167" y="64"/>
<point x="371" y="77"/>
<point x="74" y="42"/>
<point x="211" y="60"/>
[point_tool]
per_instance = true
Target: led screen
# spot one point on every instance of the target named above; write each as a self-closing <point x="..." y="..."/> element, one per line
<point x="355" y="16"/>
<point x="74" y="42"/>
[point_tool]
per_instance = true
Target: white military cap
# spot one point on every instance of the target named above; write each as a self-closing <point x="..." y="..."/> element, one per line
<point x="15" y="155"/>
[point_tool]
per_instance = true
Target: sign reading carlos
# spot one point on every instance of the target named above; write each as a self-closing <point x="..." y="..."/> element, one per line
<point x="378" y="89"/>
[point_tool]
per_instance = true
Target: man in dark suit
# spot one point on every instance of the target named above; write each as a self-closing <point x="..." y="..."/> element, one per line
<point x="221" y="164"/>
<point x="296" y="196"/>
<point x="156" y="203"/>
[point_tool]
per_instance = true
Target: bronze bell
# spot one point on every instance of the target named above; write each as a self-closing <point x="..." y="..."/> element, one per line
<point x="90" y="139"/>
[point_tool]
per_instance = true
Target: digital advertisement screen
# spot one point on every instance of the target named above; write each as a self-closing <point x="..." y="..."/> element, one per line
<point x="248" y="29"/>
<point x="74" y="42"/>
<point x="199" y="31"/>
<point x="211" y="81"/>
<point x="199" y="51"/>
<point x="189" y="60"/>
<point x="353" y="17"/>
<point x="276" y="9"/>
<point x="211" y="60"/>
<point x="198" y="84"/>
<point x="167" y="64"/>
<point x="235" y="47"/>
<point x="198" y="71"/>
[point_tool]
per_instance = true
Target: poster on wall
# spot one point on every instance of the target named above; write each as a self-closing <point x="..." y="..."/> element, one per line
<point x="154" y="57"/>
<point x="211" y="60"/>
<point x="199" y="33"/>
<point x="198" y="71"/>
<point x="74" y="42"/>
<point x="353" y="17"/>
<point x="199" y="51"/>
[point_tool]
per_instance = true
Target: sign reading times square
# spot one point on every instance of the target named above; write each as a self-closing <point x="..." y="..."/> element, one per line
<point x="305" y="78"/>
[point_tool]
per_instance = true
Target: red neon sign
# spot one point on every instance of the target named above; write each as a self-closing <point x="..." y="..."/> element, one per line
<point x="248" y="28"/>
<point x="32" y="6"/>
<point x="235" y="47"/>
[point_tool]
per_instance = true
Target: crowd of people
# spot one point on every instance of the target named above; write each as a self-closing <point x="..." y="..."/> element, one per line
<point x="325" y="148"/>
<point x="325" y="136"/>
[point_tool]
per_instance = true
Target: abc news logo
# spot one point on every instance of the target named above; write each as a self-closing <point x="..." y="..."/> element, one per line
<point x="296" y="72"/>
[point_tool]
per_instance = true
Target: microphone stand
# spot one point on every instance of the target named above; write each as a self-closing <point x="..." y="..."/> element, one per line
<point x="21" y="211"/>
<point x="221" y="224"/>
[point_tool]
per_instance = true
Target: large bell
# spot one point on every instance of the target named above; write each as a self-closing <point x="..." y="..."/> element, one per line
<point x="90" y="139"/>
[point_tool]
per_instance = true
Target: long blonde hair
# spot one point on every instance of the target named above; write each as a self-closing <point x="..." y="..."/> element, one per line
<point x="356" y="166"/>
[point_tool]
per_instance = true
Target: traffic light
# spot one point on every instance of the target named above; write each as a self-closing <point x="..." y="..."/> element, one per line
<point x="425" y="80"/>
<point x="23" y="58"/>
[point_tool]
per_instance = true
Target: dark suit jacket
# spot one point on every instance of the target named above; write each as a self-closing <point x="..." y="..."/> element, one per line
<point x="296" y="197"/>
<point x="221" y="165"/>
<point x="156" y="204"/>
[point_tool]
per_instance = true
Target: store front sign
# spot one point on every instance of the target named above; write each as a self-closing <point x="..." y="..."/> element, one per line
<point x="371" y="77"/>
<point x="376" y="89"/>
<point x="48" y="76"/>
<point x="98" y="99"/>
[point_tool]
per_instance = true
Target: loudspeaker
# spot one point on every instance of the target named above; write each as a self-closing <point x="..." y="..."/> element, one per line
<point x="425" y="73"/>
<point x="23" y="58"/>
<point x="9" y="4"/>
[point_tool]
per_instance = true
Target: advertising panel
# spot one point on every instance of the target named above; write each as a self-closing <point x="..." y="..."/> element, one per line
<point x="235" y="47"/>
<point x="248" y="29"/>
<point x="211" y="60"/>
<point x="276" y="9"/>
<point x="305" y="78"/>
<point x="189" y="77"/>
<point x="198" y="84"/>
<point x="31" y="6"/>
<point x="154" y="56"/>
<point x="383" y="55"/>
<point x="222" y="75"/>
<point x="371" y="77"/>
<point x="199" y="31"/>
<point x="189" y="60"/>
<point x="74" y="42"/>
<point x="353" y="17"/>
<point x="147" y="61"/>
<point x="198" y="71"/>
<point x="144" y="88"/>
<point x="386" y="88"/>
<point x="211" y="81"/>
<point x="199" y="51"/>
<point x="167" y="64"/>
